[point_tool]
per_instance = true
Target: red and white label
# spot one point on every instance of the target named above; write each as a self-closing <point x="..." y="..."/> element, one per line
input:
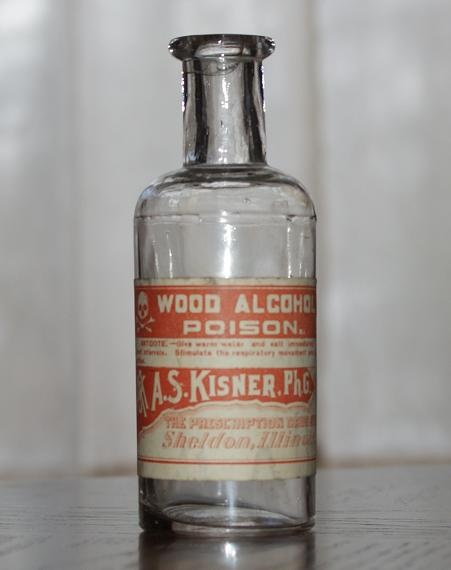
<point x="226" y="378"/>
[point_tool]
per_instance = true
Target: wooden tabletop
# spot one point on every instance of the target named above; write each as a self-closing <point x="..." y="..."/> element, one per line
<point x="384" y="518"/>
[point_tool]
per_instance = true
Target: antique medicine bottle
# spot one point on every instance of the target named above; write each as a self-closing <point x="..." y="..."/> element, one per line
<point x="225" y="314"/>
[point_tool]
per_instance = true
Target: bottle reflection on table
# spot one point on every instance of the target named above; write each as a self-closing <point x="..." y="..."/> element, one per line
<point x="275" y="552"/>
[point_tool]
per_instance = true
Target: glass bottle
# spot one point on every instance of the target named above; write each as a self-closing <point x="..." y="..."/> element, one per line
<point x="225" y="314"/>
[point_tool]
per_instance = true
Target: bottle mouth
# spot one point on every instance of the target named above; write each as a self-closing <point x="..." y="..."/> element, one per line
<point x="216" y="46"/>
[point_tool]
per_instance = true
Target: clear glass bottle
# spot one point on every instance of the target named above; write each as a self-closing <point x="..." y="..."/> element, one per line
<point x="225" y="268"/>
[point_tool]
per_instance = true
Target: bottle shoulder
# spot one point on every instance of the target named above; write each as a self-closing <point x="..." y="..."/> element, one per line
<point x="219" y="189"/>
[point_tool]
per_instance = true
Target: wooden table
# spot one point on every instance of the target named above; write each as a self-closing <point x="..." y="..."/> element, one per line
<point x="384" y="518"/>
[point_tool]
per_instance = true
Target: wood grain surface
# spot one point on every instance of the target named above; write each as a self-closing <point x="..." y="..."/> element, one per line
<point x="384" y="518"/>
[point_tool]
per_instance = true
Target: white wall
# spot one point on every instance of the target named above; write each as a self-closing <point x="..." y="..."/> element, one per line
<point x="358" y="108"/>
<point x="384" y="84"/>
<point x="39" y="242"/>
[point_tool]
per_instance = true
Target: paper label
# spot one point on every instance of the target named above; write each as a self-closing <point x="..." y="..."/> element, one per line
<point x="226" y="378"/>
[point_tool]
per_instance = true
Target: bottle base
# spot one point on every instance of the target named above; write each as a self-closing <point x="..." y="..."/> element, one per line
<point x="217" y="520"/>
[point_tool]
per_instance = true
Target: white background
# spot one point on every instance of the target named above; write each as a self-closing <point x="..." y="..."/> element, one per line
<point x="358" y="107"/>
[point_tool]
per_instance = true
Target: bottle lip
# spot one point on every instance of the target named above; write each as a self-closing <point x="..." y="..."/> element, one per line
<point x="215" y="46"/>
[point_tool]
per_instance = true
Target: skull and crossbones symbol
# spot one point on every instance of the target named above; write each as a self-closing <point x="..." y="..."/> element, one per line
<point x="143" y="316"/>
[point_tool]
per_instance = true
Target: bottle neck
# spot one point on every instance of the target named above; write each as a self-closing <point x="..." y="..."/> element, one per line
<point x="223" y="111"/>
